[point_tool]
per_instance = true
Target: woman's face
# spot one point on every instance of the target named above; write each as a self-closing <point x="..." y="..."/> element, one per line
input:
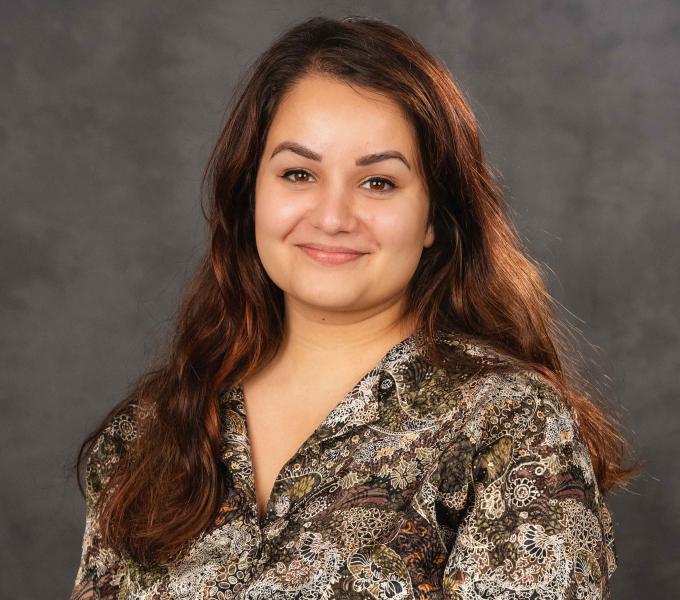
<point x="331" y="176"/>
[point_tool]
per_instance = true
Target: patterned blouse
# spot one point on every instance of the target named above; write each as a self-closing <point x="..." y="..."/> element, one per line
<point x="423" y="482"/>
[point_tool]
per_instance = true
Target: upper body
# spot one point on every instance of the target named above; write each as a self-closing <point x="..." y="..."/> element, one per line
<point x="420" y="483"/>
<point x="349" y="195"/>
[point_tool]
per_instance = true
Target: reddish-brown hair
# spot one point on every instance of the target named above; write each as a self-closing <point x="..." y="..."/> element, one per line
<point x="476" y="279"/>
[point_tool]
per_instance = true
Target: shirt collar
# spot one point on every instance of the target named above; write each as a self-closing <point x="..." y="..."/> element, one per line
<point x="361" y="406"/>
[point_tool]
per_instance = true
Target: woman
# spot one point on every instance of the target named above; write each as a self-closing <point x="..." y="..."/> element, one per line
<point x="367" y="395"/>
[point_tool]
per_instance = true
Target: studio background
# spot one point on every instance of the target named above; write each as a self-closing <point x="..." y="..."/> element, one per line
<point x="109" y="111"/>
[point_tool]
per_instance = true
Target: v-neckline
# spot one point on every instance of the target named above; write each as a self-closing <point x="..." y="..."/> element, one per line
<point x="314" y="437"/>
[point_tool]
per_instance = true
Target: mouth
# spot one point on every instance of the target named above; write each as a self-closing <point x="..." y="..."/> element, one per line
<point x="330" y="255"/>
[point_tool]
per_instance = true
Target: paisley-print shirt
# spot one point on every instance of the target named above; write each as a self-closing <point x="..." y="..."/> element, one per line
<point x="422" y="482"/>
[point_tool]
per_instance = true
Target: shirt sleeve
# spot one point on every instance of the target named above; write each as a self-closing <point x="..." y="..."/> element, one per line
<point x="100" y="571"/>
<point x="534" y="523"/>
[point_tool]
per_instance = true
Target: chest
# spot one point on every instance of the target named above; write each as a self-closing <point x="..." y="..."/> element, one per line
<point x="353" y="514"/>
<point x="278" y="424"/>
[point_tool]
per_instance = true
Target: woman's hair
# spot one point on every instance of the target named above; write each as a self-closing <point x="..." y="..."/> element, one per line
<point x="476" y="279"/>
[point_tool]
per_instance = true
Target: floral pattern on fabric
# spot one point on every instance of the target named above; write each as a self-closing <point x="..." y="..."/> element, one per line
<point x="536" y="526"/>
<point x="466" y="482"/>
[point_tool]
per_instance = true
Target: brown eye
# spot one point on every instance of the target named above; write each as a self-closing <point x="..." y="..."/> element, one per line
<point x="294" y="172"/>
<point x="381" y="182"/>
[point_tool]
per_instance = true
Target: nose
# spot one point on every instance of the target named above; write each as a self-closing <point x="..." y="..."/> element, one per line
<point x="333" y="209"/>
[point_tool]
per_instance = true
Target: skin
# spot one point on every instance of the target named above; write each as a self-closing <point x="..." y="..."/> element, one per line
<point x="340" y="318"/>
<point x="332" y="311"/>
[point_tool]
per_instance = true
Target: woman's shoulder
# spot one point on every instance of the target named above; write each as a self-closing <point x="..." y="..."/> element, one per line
<point x="113" y="442"/>
<point x="508" y="393"/>
<point x="489" y="379"/>
<point x="495" y="397"/>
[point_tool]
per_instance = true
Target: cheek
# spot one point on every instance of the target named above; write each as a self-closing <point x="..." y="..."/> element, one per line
<point x="274" y="216"/>
<point x="400" y="241"/>
<point x="400" y="234"/>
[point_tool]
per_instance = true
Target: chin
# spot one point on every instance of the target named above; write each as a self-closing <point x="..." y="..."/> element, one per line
<point x="337" y="298"/>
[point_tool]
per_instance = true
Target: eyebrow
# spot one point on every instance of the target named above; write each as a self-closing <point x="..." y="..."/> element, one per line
<point x="362" y="161"/>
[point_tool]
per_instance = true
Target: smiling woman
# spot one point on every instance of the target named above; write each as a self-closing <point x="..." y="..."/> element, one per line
<point x="358" y="137"/>
<point x="367" y="395"/>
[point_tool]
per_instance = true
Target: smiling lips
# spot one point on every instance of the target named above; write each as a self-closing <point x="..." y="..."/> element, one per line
<point x="330" y="255"/>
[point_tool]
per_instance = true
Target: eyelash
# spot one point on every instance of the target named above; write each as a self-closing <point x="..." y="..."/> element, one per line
<point x="382" y="179"/>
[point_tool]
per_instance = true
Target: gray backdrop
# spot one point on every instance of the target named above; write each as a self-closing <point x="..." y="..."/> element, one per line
<point x="108" y="113"/>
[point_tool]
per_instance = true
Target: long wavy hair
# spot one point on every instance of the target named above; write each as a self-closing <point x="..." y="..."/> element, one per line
<point x="476" y="279"/>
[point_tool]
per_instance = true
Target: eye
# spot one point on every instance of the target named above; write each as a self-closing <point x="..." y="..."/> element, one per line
<point x="381" y="181"/>
<point x="295" y="180"/>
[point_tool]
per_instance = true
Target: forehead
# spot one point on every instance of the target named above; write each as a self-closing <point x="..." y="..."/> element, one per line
<point x="321" y="110"/>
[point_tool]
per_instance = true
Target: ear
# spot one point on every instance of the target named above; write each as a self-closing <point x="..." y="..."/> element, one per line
<point x="429" y="236"/>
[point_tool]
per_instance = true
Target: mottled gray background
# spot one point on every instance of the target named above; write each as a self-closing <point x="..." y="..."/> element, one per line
<point x="108" y="112"/>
